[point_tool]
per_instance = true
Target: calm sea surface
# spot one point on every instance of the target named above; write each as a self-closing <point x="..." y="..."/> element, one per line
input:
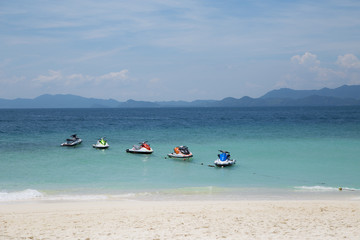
<point x="277" y="149"/>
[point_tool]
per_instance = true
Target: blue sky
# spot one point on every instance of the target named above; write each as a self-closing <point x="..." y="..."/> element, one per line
<point x="176" y="50"/>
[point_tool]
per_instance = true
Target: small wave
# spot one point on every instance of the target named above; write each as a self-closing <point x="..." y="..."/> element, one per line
<point x="323" y="189"/>
<point x="90" y="197"/>
<point x="31" y="194"/>
<point x="27" y="194"/>
<point x="194" y="191"/>
<point x="132" y="195"/>
<point x="76" y="197"/>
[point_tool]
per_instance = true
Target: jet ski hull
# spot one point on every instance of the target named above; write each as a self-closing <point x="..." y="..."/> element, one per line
<point x="71" y="144"/>
<point x="139" y="151"/>
<point x="100" y="146"/>
<point x="225" y="163"/>
<point x="175" y="155"/>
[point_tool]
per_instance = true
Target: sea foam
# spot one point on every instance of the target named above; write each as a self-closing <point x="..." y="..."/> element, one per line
<point x="28" y="194"/>
<point x="31" y="194"/>
<point x="323" y="189"/>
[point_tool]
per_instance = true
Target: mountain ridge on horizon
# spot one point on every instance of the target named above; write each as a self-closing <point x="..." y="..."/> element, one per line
<point x="346" y="95"/>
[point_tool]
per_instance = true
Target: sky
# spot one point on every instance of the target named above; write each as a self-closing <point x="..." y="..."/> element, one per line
<point x="162" y="50"/>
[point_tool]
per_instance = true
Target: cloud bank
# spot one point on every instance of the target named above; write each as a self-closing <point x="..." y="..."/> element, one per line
<point x="308" y="72"/>
<point x="145" y="49"/>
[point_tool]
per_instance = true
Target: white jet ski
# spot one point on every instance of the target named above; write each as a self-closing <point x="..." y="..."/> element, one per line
<point x="71" y="142"/>
<point x="224" y="159"/>
<point x="181" y="152"/>
<point x="144" y="148"/>
<point x="101" y="144"/>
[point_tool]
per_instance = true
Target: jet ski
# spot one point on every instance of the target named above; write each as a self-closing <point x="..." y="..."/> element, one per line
<point x="101" y="144"/>
<point x="224" y="159"/>
<point x="143" y="148"/>
<point x="71" y="142"/>
<point x="181" y="152"/>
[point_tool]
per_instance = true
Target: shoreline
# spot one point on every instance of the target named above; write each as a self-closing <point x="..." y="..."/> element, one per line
<point x="188" y="194"/>
<point x="254" y="219"/>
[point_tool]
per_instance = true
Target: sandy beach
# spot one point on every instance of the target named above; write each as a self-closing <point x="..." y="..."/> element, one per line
<point x="181" y="220"/>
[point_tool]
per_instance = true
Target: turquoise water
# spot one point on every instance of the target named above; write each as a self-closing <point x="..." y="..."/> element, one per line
<point x="304" y="149"/>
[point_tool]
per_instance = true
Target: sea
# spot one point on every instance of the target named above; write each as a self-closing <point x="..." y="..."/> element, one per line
<point x="281" y="153"/>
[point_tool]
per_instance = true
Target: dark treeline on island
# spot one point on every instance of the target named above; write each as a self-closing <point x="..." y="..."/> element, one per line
<point x="341" y="96"/>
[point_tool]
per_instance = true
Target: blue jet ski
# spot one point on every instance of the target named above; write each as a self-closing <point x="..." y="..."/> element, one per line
<point x="224" y="159"/>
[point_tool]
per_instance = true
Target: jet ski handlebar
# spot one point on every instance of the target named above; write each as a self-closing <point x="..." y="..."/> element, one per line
<point x="224" y="151"/>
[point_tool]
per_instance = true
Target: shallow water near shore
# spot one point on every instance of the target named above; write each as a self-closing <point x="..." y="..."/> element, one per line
<point x="296" y="150"/>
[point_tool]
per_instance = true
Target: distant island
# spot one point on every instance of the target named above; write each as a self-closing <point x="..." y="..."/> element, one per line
<point x="346" y="95"/>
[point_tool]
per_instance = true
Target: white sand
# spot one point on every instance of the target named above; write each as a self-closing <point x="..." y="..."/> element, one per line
<point x="181" y="220"/>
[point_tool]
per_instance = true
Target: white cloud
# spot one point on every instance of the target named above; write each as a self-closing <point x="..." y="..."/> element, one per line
<point x="308" y="59"/>
<point x="348" y="61"/>
<point x="122" y="75"/>
<point x="75" y="76"/>
<point x="57" y="75"/>
<point x="308" y="72"/>
<point x="114" y="84"/>
<point x="51" y="77"/>
<point x="57" y="78"/>
<point x="311" y="64"/>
